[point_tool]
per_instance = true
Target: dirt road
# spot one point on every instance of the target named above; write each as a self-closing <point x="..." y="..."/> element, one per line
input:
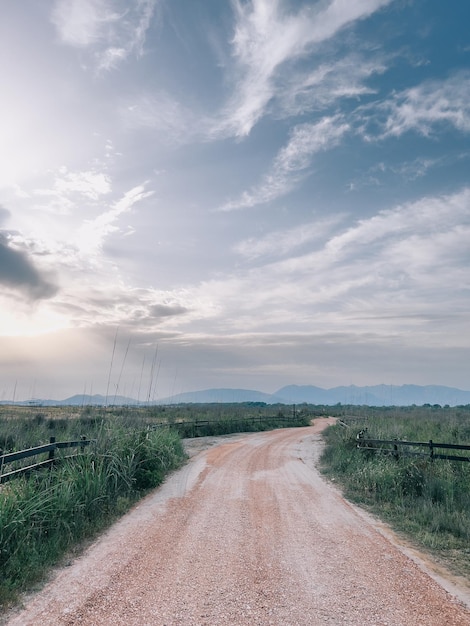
<point x="247" y="533"/>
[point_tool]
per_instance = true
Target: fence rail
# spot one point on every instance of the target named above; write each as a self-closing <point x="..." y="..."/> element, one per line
<point x="201" y="424"/>
<point x="393" y="447"/>
<point x="48" y="448"/>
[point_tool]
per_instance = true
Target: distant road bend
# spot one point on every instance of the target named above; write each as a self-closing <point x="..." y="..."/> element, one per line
<point x="247" y="533"/>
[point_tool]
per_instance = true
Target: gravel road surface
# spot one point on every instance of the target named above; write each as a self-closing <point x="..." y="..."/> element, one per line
<point x="247" y="533"/>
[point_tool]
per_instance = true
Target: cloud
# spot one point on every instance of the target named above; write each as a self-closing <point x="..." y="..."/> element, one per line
<point x="266" y="38"/>
<point x="82" y="23"/>
<point x="423" y="109"/>
<point x="90" y="184"/>
<point x="262" y="50"/>
<point x="328" y="83"/>
<point x="286" y="172"/>
<point x="92" y="233"/>
<point x="162" y="113"/>
<point x="167" y="310"/>
<point x="18" y="272"/>
<point x="68" y="187"/>
<point x="110" y="29"/>
<point x="425" y="218"/>
<point x="306" y="140"/>
<point x="285" y="242"/>
<point x="107" y="301"/>
<point x="419" y="167"/>
<point x="401" y="268"/>
<point x="407" y="170"/>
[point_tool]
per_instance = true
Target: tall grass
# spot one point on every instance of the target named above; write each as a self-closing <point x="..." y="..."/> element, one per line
<point x="428" y="500"/>
<point x="44" y="516"/>
<point x="22" y="427"/>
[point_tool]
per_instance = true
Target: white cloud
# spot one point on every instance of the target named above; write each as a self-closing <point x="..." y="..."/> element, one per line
<point x="326" y="84"/>
<point x="83" y="23"/>
<point x="111" y="29"/>
<point x="70" y="187"/>
<point x="411" y="170"/>
<point x="112" y="57"/>
<point x="284" y="242"/>
<point x="427" y="216"/>
<point x="92" y="233"/>
<point x="266" y="38"/>
<point x="162" y="113"/>
<point x="90" y="184"/>
<point x="306" y="140"/>
<point x="400" y="269"/>
<point x="425" y="108"/>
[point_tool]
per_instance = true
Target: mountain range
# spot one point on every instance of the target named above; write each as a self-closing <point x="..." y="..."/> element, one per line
<point x="377" y="395"/>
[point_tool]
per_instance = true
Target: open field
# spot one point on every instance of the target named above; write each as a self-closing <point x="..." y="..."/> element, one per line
<point x="22" y="427"/>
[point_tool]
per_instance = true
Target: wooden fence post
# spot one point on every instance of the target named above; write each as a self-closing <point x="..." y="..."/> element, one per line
<point x="51" y="452"/>
<point x="431" y="450"/>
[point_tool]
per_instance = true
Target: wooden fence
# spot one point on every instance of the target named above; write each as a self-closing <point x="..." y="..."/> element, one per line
<point x="398" y="448"/>
<point x="48" y="448"/>
<point x="197" y="427"/>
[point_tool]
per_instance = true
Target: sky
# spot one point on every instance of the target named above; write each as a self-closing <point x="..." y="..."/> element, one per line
<point x="233" y="193"/>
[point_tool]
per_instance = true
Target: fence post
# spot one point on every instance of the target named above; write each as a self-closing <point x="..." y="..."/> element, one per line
<point x="82" y="446"/>
<point x="431" y="450"/>
<point x="51" y="452"/>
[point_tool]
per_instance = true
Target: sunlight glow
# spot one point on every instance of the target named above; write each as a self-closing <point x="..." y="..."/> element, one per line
<point x="38" y="320"/>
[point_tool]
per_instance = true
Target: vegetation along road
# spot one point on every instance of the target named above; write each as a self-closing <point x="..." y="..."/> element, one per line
<point x="248" y="532"/>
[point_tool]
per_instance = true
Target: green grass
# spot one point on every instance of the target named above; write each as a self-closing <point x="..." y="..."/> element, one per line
<point x="23" y="427"/>
<point x="427" y="500"/>
<point x="46" y="515"/>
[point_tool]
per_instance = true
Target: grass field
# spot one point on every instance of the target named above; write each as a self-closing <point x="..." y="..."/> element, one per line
<point x="427" y="500"/>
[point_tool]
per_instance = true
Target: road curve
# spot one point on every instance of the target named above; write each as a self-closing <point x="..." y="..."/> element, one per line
<point x="247" y="533"/>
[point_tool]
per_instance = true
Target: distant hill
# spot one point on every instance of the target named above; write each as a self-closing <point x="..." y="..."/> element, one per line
<point x="98" y="400"/>
<point x="79" y="400"/>
<point x="377" y="395"/>
<point x="221" y="395"/>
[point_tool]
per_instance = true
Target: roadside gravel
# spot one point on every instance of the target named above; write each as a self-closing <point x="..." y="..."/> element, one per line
<point x="248" y="532"/>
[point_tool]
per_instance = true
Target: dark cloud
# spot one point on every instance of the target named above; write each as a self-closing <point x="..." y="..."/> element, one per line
<point x="167" y="310"/>
<point x="17" y="271"/>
